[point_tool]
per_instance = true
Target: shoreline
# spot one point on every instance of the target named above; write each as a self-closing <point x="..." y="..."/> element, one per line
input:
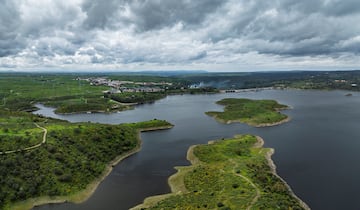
<point x="259" y="125"/>
<point x="86" y="193"/>
<point x="176" y="181"/>
<point x="80" y="112"/>
<point x="273" y="124"/>
<point x="273" y="169"/>
<point x="92" y="111"/>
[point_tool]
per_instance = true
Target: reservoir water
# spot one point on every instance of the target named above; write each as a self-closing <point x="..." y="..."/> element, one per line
<point x="316" y="152"/>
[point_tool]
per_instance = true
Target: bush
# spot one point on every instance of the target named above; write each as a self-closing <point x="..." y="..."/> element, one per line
<point x="220" y="204"/>
<point x="65" y="178"/>
<point x="58" y="172"/>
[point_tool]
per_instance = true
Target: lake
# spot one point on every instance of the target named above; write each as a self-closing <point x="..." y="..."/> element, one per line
<point x="316" y="152"/>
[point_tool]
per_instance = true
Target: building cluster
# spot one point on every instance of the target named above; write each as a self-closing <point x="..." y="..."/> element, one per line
<point x="344" y="81"/>
<point x="118" y="86"/>
<point x="340" y="81"/>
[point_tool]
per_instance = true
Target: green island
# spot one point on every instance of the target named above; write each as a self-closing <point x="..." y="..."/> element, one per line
<point x="258" y="113"/>
<point x="45" y="160"/>
<point x="234" y="173"/>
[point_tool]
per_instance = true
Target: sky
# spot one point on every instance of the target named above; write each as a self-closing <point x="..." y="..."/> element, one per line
<point x="213" y="35"/>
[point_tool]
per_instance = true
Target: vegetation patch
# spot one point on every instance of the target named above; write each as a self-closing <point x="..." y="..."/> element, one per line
<point x="69" y="94"/>
<point x="81" y="104"/>
<point x="138" y="97"/>
<point x="74" y="155"/>
<point x="227" y="174"/>
<point x="253" y="112"/>
<point x="154" y="124"/>
<point x="19" y="92"/>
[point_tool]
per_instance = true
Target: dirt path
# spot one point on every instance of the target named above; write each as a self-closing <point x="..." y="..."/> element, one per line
<point x="259" y="143"/>
<point x="32" y="147"/>
<point x="257" y="196"/>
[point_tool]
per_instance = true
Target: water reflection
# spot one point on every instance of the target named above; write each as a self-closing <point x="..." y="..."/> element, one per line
<point x="313" y="151"/>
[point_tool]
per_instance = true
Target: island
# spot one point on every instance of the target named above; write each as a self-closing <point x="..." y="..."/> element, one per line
<point x="258" y="113"/>
<point x="235" y="173"/>
<point x="45" y="160"/>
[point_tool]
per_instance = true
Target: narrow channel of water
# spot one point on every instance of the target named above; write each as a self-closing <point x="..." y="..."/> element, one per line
<point x="316" y="152"/>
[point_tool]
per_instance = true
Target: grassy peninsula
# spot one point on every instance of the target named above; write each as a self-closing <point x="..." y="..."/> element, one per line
<point x="258" y="113"/>
<point x="71" y="159"/>
<point x="235" y="173"/>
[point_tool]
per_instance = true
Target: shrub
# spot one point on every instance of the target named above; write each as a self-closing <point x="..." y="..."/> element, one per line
<point x="65" y="178"/>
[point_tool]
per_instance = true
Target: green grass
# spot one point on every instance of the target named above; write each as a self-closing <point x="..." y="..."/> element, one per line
<point x="140" y="97"/>
<point x="17" y="131"/>
<point x="228" y="174"/>
<point x="252" y="112"/>
<point x="88" y="104"/>
<point x="19" y="92"/>
<point x="74" y="155"/>
<point x="149" y="125"/>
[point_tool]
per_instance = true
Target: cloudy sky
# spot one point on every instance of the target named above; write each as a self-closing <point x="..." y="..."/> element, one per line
<point x="214" y="35"/>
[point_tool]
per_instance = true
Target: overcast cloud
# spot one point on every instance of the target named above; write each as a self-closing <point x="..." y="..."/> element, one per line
<point x="217" y="35"/>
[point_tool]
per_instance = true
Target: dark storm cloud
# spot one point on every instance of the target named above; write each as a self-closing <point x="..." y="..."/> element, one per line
<point x="10" y="41"/>
<point x="43" y="29"/>
<point x="156" y="14"/>
<point x="296" y="28"/>
<point x="54" y="46"/>
<point x="100" y="12"/>
<point x="198" y="56"/>
<point x="177" y="32"/>
<point x="148" y="14"/>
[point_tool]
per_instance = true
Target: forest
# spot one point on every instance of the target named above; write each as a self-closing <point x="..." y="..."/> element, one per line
<point x="74" y="155"/>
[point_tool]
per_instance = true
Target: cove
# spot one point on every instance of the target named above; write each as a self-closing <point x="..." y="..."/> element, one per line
<point x="315" y="153"/>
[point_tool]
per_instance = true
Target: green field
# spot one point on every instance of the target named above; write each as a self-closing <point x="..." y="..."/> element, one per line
<point x="18" y="132"/>
<point x="141" y="97"/>
<point x="227" y="174"/>
<point x="253" y="112"/>
<point x="20" y="92"/>
<point x="74" y="155"/>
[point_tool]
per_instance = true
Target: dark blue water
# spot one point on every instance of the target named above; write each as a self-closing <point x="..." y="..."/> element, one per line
<point x="316" y="152"/>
